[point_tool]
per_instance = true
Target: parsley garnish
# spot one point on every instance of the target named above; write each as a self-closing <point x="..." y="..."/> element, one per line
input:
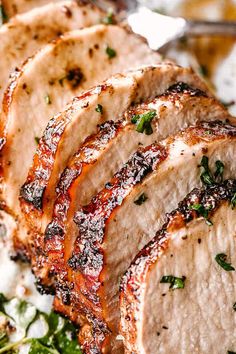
<point x="141" y="199"/>
<point x="109" y="19"/>
<point x="202" y="211"/>
<point x="36" y="138"/>
<point x="206" y="175"/>
<point x="99" y="108"/>
<point x="175" y="283"/>
<point x="59" y="335"/>
<point x="3" y="15"/>
<point x="110" y="52"/>
<point x="221" y="260"/>
<point x="143" y="122"/>
<point x="234" y="306"/>
<point x="219" y="171"/>
<point x="48" y="99"/>
<point x="233" y="201"/>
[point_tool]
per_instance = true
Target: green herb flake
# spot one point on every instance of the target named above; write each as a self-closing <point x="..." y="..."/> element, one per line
<point x="234" y="306"/>
<point x="109" y="19"/>
<point x="36" y="138"/>
<point x="206" y="176"/>
<point x="219" y="171"/>
<point x="143" y="122"/>
<point x="47" y="99"/>
<point x="3" y="15"/>
<point x="110" y="52"/>
<point x="233" y="201"/>
<point x="99" y="109"/>
<point x="221" y="260"/>
<point x="175" y="282"/>
<point x="202" y="211"/>
<point x="141" y="199"/>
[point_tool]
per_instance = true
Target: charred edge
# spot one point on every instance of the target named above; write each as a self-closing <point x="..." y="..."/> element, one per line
<point x="33" y="193"/>
<point x="44" y="289"/>
<point x="65" y="289"/>
<point x="216" y="128"/>
<point x="183" y="88"/>
<point x="20" y="256"/>
<point x="210" y="198"/>
<point x="53" y="230"/>
<point x="106" y="132"/>
<point x="91" y="220"/>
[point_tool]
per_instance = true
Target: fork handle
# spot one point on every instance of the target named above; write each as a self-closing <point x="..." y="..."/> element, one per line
<point x="199" y="28"/>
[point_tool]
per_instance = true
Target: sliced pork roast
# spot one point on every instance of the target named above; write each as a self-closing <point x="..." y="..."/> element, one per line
<point x="14" y="7"/>
<point x="66" y="132"/>
<point x="26" y="33"/>
<point x="123" y="217"/>
<point x="179" y="293"/>
<point x="101" y="156"/>
<point x="75" y="62"/>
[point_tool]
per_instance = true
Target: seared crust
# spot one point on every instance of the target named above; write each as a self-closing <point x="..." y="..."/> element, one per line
<point x="87" y="260"/>
<point x="53" y="246"/>
<point x="131" y="284"/>
<point x="33" y="193"/>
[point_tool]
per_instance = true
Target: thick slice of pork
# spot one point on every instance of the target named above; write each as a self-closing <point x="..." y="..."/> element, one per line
<point x="125" y="215"/>
<point x="100" y="157"/>
<point x="176" y="297"/>
<point x="75" y="62"/>
<point x="28" y="32"/>
<point x="66" y="132"/>
<point x="14" y="7"/>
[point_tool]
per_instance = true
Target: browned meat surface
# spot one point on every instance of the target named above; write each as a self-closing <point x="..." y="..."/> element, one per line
<point x="199" y="294"/>
<point x="114" y="226"/>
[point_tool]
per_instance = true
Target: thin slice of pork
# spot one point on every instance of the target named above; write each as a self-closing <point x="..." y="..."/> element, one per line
<point x="66" y="132"/>
<point x="100" y="157"/>
<point x="64" y="68"/>
<point x="179" y="293"/>
<point x="28" y="32"/>
<point x="125" y="215"/>
<point x="14" y="7"/>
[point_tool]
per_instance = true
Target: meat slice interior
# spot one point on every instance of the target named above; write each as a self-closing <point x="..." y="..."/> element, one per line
<point x="163" y="317"/>
<point x="64" y="68"/>
<point x="14" y="7"/>
<point x="67" y="131"/>
<point x="101" y="156"/>
<point x="24" y="34"/>
<point x="114" y="227"/>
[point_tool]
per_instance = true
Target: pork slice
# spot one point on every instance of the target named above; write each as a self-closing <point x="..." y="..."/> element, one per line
<point x="176" y="297"/>
<point x="100" y="157"/>
<point x="24" y="34"/>
<point x="64" y="68"/>
<point x="14" y="7"/>
<point x="125" y="215"/>
<point x="66" y="131"/>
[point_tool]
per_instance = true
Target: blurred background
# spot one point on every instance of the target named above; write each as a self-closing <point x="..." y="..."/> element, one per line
<point x="214" y="58"/>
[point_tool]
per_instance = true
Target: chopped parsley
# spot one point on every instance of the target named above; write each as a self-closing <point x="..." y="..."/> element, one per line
<point x="175" y="282"/>
<point x="21" y="318"/>
<point x="36" y="138"/>
<point x="141" y="199"/>
<point x="143" y="122"/>
<point x="202" y="211"/>
<point x="234" y="306"/>
<point x="221" y="260"/>
<point x="48" y="99"/>
<point x="3" y="15"/>
<point x="207" y="178"/>
<point x="219" y="171"/>
<point x="110" y="52"/>
<point x="99" y="108"/>
<point x="109" y="19"/>
<point x="233" y="201"/>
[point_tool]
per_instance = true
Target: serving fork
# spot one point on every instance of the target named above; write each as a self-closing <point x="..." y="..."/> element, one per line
<point x="161" y="30"/>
